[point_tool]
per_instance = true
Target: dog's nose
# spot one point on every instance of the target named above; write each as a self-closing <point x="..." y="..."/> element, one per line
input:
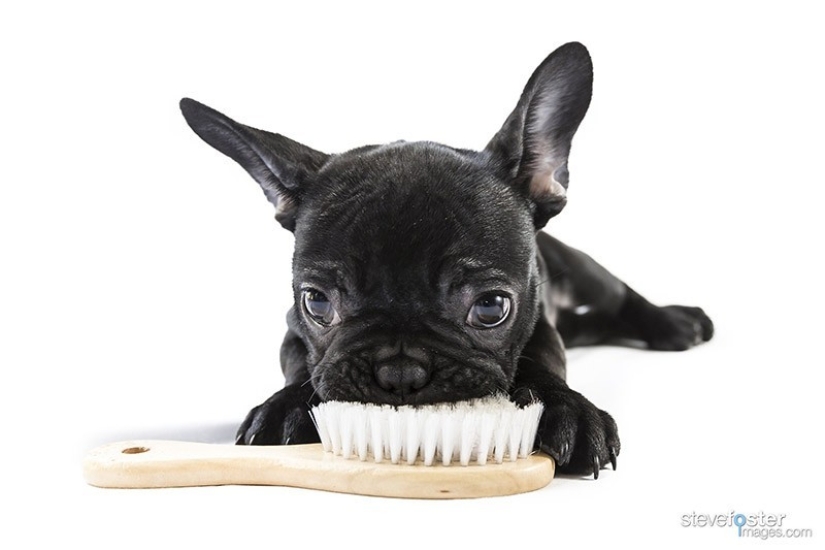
<point x="401" y="375"/>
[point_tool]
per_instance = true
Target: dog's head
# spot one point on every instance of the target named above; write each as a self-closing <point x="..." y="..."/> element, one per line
<point x="415" y="273"/>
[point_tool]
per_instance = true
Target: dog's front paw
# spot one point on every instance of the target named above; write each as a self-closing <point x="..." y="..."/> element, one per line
<point x="283" y="419"/>
<point x="676" y="328"/>
<point x="581" y="438"/>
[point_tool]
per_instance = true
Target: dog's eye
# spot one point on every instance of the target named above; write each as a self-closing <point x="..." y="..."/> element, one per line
<point x="489" y="311"/>
<point x="319" y="308"/>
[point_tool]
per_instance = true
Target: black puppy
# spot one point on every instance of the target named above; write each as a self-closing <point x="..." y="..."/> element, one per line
<point x="420" y="274"/>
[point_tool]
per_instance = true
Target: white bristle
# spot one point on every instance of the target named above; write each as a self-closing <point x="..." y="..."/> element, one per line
<point x="469" y="429"/>
<point x="500" y="436"/>
<point x="323" y="431"/>
<point x="334" y="425"/>
<point x="468" y="432"/>
<point x="374" y="418"/>
<point x="448" y="437"/>
<point x="413" y="435"/>
<point x="347" y="421"/>
<point x="361" y="443"/>
<point x="514" y="435"/>
<point x="485" y="436"/>
<point x="396" y="436"/>
<point x="528" y="434"/>
<point x="432" y="434"/>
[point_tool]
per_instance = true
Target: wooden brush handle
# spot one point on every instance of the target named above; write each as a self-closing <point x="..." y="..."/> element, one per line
<point x="144" y="464"/>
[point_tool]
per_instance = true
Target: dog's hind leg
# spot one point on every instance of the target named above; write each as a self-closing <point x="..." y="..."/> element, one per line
<point x="590" y="306"/>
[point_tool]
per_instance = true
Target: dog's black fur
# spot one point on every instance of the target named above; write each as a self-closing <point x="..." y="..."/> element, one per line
<point x="420" y="273"/>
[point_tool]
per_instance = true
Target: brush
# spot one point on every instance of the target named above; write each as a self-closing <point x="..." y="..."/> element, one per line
<point x="469" y="449"/>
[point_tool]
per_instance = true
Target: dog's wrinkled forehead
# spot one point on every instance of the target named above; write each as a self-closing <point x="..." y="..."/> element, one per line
<point x="412" y="208"/>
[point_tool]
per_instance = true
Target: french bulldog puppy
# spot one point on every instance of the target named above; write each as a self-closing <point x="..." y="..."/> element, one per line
<point x="420" y="273"/>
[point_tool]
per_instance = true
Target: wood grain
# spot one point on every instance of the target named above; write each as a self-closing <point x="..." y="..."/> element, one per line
<point x="156" y="463"/>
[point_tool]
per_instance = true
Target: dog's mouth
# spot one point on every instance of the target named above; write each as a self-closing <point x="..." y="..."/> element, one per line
<point x="447" y="380"/>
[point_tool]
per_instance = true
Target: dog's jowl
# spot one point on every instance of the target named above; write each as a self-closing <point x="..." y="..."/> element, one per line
<point x="421" y="274"/>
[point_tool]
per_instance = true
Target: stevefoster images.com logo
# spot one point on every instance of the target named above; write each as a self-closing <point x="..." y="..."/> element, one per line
<point x="758" y="526"/>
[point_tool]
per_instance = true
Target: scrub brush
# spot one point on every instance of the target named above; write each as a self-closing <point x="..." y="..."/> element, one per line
<point x="459" y="450"/>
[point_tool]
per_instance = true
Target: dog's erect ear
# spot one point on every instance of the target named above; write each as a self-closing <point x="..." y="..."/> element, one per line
<point x="277" y="163"/>
<point x="533" y="145"/>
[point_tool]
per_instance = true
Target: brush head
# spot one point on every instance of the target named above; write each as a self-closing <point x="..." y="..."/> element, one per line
<point x="476" y="431"/>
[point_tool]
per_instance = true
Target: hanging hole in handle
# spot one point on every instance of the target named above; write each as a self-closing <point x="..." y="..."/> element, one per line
<point x="134" y="450"/>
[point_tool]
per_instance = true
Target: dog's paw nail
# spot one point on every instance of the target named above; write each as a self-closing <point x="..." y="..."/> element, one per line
<point x="239" y="438"/>
<point x="596" y="467"/>
<point x="564" y="453"/>
<point x="699" y="338"/>
<point x="555" y="454"/>
<point x="613" y="458"/>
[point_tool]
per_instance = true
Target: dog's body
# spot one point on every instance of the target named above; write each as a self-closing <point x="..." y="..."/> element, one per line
<point x="420" y="274"/>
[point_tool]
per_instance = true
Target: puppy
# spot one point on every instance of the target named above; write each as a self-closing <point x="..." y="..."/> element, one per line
<point x="420" y="273"/>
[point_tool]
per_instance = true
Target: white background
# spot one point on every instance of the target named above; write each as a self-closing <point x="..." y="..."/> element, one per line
<point x="144" y="281"/>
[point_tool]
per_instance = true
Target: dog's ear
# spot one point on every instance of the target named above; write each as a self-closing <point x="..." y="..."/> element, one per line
<point x="533" y="145"/>
<point x="279" y="164"/>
